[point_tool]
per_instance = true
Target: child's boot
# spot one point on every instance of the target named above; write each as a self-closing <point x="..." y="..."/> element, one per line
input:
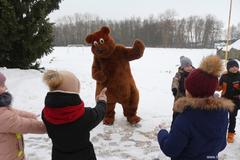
<point x="230" y="137"/>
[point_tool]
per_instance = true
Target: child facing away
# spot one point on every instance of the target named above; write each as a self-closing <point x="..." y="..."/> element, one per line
<point x="178" y="88"/>
<point x="67" y="121"/>
<point x="14" y="123"/>
<point x="229" y="83"/>
<point x="199" y="132"/>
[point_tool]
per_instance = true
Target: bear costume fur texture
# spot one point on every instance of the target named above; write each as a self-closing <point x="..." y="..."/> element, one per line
<point x="111" y="69"/>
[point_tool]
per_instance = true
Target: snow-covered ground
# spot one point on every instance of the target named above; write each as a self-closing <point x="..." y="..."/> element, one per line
<point x="153" y="75"/>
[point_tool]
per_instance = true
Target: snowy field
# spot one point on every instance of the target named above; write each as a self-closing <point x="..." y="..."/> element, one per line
<point x="153" y="75"/>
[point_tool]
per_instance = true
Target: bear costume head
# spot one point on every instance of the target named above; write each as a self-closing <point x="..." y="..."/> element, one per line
<point x="103" y="44"/>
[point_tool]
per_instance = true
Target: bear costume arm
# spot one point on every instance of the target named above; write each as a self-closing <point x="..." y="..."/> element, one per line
<point x="135" y="52"/>
<point x="97" y="74"/>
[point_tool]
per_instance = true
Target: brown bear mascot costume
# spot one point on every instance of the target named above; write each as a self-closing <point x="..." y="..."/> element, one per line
<point x="111" y="69"/>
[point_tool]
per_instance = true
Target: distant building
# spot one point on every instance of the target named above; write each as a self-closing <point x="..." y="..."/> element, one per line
<point x="219" y="45"/>
<point x="233" y="50"/>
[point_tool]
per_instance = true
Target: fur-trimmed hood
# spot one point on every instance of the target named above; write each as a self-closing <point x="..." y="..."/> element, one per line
<point x="201" y="129"/>
<point x="209" y="103"/>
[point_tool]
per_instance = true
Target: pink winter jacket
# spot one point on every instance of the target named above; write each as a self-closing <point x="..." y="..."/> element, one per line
<point x="14" y="123"/>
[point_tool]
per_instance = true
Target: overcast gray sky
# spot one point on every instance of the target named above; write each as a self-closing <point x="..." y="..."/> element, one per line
<point x="121" y="9"/>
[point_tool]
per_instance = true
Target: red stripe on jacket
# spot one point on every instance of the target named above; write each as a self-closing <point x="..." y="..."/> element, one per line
<point x="64" y="114"/>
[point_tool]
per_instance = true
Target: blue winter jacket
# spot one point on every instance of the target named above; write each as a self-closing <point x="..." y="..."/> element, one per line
<point x="199" y="132"/>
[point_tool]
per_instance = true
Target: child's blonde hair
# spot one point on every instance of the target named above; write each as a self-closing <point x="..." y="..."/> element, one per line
<point x="53" y="79"/>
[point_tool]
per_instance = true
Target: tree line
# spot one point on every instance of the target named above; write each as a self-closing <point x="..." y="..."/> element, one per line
<point x="164" y="30"/>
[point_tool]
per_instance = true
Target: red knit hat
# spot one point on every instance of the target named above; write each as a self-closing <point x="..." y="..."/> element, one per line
<point x="202" y="82"/>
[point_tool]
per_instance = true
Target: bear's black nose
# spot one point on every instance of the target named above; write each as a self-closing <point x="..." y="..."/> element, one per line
<point x="100" y="50"/>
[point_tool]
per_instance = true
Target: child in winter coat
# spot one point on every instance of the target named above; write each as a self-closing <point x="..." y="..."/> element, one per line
<point x="229" y="83"/>
<point x="67" y="121"/>
<point x="13" y="124"/>
<point x="199" y="132"/>
<point x="178" y="88"/>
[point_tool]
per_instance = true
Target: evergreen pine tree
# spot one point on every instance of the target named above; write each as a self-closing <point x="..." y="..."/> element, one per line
<point x="25" y="31"/>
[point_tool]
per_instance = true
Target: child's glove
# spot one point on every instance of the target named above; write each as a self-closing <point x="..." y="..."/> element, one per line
<point x="216" y="95"/>
<point x="174" y="91"/>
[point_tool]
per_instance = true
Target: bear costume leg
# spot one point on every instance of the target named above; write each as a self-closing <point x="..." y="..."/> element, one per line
<point x="130" y="107"/>
<point x="110" y="113"/>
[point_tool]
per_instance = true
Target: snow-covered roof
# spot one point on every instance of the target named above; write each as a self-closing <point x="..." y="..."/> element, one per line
<point x="235" y="45"/>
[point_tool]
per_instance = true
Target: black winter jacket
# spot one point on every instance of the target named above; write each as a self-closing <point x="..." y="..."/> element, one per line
<point x="70" y="134"/>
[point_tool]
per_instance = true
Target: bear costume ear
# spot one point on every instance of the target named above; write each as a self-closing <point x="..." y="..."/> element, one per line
<point x="89" y="38"/>
<point x="105" y="30"/>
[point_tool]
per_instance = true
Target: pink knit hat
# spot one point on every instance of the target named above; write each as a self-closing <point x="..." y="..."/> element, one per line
<point x="2" y="79"/>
